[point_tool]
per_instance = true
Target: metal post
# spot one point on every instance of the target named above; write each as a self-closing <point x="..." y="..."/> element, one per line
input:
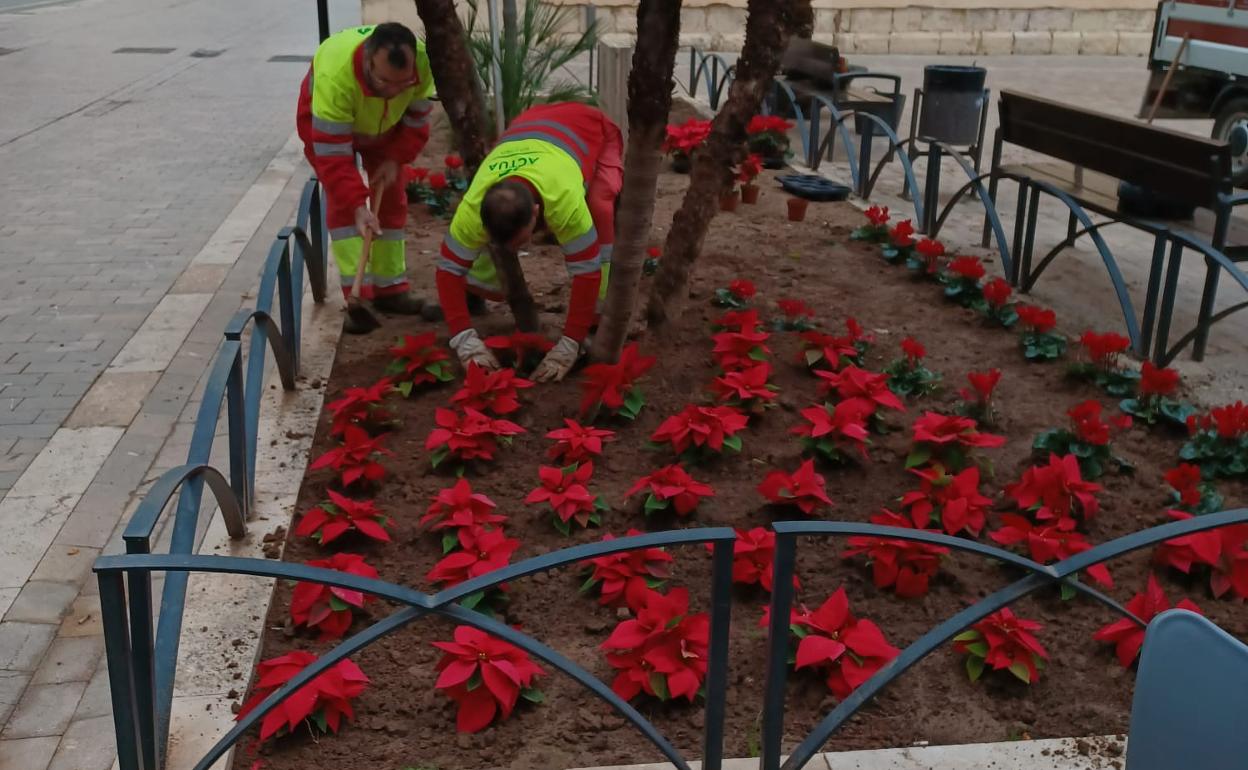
<point x="236" y="418"/>
<point x="864" y="156"/>
<point x="1210" y="292"/>
<point x="142" y="660"/>
<point x="591" y="18"/>
<point x="717" y="668"/>
<point x="1150" y="298"/>
<point x="496" y="71"/>
<point x="931" y="189"/>
<point x="1029" y="238"/>
<point x="1167" y="301"/>
<point x="322" y="18"/>
<point x="994" y="181"/>
<point x="286" y="298"/>
<point x="777" y="651"/>
<point x="120" y="675"/>
<point x="1020" y="223"/>
<point x="712" y="88"/>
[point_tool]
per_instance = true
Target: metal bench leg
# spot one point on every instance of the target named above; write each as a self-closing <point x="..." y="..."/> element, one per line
<point x="993" y="183"/>
<point x="864" y="158"/>
<point x="1167" y="303"/>
<point x="1072" y="224"/>
<point x="1212" y="271"/>
<point x="1020" y="224"/>
<point x="931" y="189"/>
<point x="1029" y="238"/>
<point x="1150" y="298"/>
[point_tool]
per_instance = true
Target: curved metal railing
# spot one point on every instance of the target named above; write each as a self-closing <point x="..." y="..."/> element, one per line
<point x="711" y="69"/>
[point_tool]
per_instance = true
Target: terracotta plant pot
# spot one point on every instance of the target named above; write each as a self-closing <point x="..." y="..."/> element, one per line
<point x="728" y="201"/>
<point x="749" y="193"/>
<point x="681" y="163"/>
<point x="797" y="209"/>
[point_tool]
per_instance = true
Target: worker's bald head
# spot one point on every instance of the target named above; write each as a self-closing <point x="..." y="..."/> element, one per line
<point x="509" y="213"/>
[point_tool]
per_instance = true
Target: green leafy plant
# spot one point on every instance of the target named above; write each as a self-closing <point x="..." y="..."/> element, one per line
<point x="908" y="376"/>
<point x="530" y="59"/>
<point x="1040" y="342"/>
<point x="1153" y="400"/>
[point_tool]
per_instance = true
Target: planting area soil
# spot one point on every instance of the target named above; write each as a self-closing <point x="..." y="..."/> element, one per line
<point x="402" y="721"/>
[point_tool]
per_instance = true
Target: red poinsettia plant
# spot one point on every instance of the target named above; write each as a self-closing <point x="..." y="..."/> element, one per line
<point x="565" y="491"/>
<point x="749" y="168"/>
<point x="1003" y="642"/>
<point x="331" y="519"/>
<point x="1056" y="491"/>
<point x="490" y="392"/>
<point x="831" y="641"/>
<point x="736" y="295"/>
<point x="467" y="435"/>
<point x="576" y="443"/>
<point x="753" y="553"/>
<point x="977" y="400"/>
<point x="948" y="439"/>
<point x="907" y="376"/>
<point x="686" y="137"/>
<point x="418" y="361"/>
<point x="457" y="511"/>
<point x="671" y="487"/>
<point x="1126" y="635"/>
<point x="1154" y="397"/>
<point x="697" y="432"/>
<point x="1190" y="492"/>
<point x="1049" y="542"/>
<point x="1222" y="552"/>
<point x="623" y="578"/>
<point x="834" y="351"/>
<point x="748" y="389"/>
<point x="353" y="460"/>
<point x="796" y="316"/>
<point x="485" y="676"/>
<point x="321" y="704"/>
<point x="740" y="349"/>
<point x="1039" y="341"/>
<point x="854" y="383"/>
<point x="804" y="488"/>
<point x="836" y="433"/>
<point x="612" y="388"/>
<point x="997" y="305"/>
<point x="661" y="652"/>
<point x="364" y="407"/>
<point x="328" y="609"/>
<point x="768" y="135"/>
<point x="1088" y="438"/>
<point x="961" y="279"/>
<point x="899" y="243"/>
<point x="483" y="551"/>
<point x="905" y="566"/>
<point x="521" y="349"/>
<point x="876" y="228"/>
<point x="1219" y="441"/>
<point x="953" y="501"/>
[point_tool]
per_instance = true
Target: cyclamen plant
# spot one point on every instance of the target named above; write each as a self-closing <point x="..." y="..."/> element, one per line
<point x="797" y="316"/>
<point x="737" y="294"/>
<point x="1219" y="442"/>
<point x="997" y="305"/>
<point x="1153" y="401"/>
<point x="961" y="280"/>
<point x="977" y="401"/>
<point x="1039" y="341"/>
<point x="907" y="376"/>
<point x="876" y="228"/>
<point x="899" y="243"/>
<point x="1190" y="493"/>
<point x="924" y="260"/>
<point x="1102" y="363"/>
<point x="1088" y="439"/>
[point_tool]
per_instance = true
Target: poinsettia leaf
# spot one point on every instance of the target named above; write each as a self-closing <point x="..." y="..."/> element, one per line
<point x="533" y="695"/>
<point x="654" y="504"/>
<point x="658" y="683"/>
<point x="320" y="721"/>
<point x="966" y="636"/>
<point x="595" y="518"/>
<point x="1021" y="671"/>
<point x="813" y="357"/>
<point x="471" y="601"/>
<point x="634" y="400"/>
<point x="405" y="388"/>
<point x="1068" y="591"/>
<point x="338" y="605"/>
<point x="438" y="456"/>
<point x="450" y="541"/>
<point x="588" y="585"/>
<point x="974" y="667"/>
<point x="655" y="583"/>
<point x="920" y="456"/>
<point x="733" y="443"/>
<point x="562" y="526"/>
<point x="978" y="648"/>
<point x="474" y="681"/>
<point x="757" y="354"/>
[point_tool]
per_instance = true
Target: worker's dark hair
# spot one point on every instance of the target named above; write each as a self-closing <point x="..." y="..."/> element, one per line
<point x="396" y="40"/>
<point x="506" y="209"/>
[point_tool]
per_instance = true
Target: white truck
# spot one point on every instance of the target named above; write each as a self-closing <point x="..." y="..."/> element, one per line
<point x="1209" y="41"/>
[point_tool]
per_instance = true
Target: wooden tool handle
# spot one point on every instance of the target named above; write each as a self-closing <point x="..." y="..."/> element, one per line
<point x="366" y="250"/>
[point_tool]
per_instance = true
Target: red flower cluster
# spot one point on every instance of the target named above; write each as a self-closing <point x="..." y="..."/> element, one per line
<point x="1056" y="491"/>
<point x="709" y="428"/>
<point x="1230" y="422"/>
<point x="1047" y="543"/>
<point x="467" y="435"/>
<point x="764" y="124"/>
<point x="662" y="651"/>
<point x="743" y="289"/>
<point x="834" y="431"/>
<point x="328" y="608"/>
<point x="1088" y="426"/>
<point x="354" y="459"/>
<point x="950" y="430"/>
<point x="491" y="392"/>
<point x="901" y="235"/>
<point x="1157" y="381"/>
<point x="624" y="577"/>
<point x="419" y="360"/>
<point x="931" y="251"/>
<point x="752" y="558"/>
<point x="1103" y="350"/>
<point x="613" y="386"/>
<point x="953" y="500"/>
<point x="328" y="521"/>
<point x="519" y="345"/>
<point x="577" y="443"/>
<point x="846" y="649"/>
<point x="1128" y="637"/>
<point x="1223" y="551"/>
<point x="461" y="510"/>
<point x="905" y="566"/>
<point x="1036" y="319"/>
<point x="437" y="181"/>
<point x="877" y="215"/>
<point x="565" y="491"/>
<point x="736" y="350"/>
<point x="914" y="350"/>
<point x="671" y="486"/>
<point x="360" y="406"/>
<point x="323" y="701"/>
<point x="484" y="550"/>
<point x="967" y="268"/>
<point x="1185" y="481"/>
<point x="453" y="162"/>
<point x="748" y="387"/>
<point x="804" y="488"/>
<point x="485" y="676"/>
<point x="749" y="168"/>
<point x="795" y="309"/>
<point x="1003" y="642"/>
<point x="853" y="383"/>
<point x="687" y="136"/>
<point x="997" y="292"/>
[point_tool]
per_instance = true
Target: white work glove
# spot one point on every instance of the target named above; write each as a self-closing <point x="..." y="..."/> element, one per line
<point x="471" y="350"/>
<point x="559" y="361"/>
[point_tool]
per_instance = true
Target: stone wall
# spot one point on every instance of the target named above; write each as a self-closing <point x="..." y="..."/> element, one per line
<point x="960" y="27"/>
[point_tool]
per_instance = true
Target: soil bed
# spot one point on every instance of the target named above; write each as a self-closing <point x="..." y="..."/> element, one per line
<point x="403" y="721"/>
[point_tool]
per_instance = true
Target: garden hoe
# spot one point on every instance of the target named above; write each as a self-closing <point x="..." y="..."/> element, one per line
<point x="357" y="308"/>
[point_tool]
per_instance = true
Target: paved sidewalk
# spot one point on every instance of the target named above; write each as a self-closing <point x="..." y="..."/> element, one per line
<point x="140" y="195"/>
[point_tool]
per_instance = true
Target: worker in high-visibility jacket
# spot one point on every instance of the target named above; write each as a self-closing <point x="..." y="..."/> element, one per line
<point x="368" y="92"/>
<point x="557" y="163"/>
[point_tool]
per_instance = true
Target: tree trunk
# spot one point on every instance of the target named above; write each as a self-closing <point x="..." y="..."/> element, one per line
<point x="512" y="59"/>
<point x="455" y="76"/>
<point x="649" y="101"/>
<point x="767" y="32"/>
<point x="803" y="21"/>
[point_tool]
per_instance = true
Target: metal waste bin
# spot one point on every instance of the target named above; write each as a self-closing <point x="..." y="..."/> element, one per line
<point x="953" y="100"/>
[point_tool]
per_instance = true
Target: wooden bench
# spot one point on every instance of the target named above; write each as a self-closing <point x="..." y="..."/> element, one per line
<point x="813" y="69"/>
<point x="1114" y="167"/>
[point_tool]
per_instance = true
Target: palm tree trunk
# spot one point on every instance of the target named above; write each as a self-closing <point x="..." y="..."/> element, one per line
<point x="767" y="32"/>
<point x="456" y="78"/>
<point x="649" y="101"/>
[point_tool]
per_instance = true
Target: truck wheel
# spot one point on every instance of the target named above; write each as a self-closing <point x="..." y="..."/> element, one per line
<point x="1231" y="126"/>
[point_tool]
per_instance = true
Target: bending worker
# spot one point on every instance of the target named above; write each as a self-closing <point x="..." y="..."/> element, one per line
<point x="368" y="92"/>
<point x="557" y="163"/>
